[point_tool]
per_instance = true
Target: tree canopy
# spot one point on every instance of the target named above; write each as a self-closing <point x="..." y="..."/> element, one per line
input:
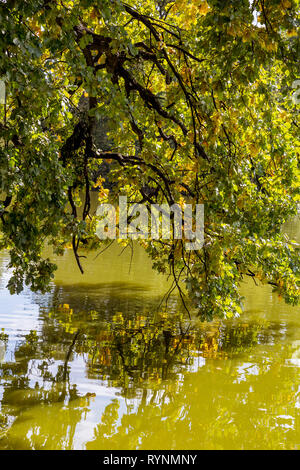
<point x="197" y="98"/>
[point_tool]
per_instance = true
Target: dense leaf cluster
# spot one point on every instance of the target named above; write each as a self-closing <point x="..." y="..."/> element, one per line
<point x="197" y="100"/>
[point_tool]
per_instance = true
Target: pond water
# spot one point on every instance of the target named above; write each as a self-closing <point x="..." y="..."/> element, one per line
<point x="98" y="363"/>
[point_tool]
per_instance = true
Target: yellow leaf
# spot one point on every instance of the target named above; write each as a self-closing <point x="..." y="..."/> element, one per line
<point x="292" y="32"/>
<point x="102" y="59"/>
<point x="203" y="8"/>
<point x="286" y="4"/>
<point x="191" y="137"/>
<point x="94" y="14"/>
<point x="253" y="149"/>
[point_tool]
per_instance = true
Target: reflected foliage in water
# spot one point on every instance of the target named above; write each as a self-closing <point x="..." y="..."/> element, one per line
<point x="105" y="365"/>
<point x="166" y="370"/>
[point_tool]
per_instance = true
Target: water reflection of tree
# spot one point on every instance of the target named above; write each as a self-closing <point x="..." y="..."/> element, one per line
<point x="139" y="350"/>
<point x="22" y="394"/>
<point x="204" y="416"/>
<point x="151" y="358"/>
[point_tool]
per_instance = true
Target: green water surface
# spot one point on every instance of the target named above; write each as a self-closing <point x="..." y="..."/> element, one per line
<point x="98" y="363"/>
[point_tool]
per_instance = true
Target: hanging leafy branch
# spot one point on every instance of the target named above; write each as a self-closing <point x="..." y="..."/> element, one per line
<point x="197" y="101"/>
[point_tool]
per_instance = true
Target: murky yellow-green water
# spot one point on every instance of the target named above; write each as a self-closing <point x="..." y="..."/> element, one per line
<point x="97" y="364"/>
